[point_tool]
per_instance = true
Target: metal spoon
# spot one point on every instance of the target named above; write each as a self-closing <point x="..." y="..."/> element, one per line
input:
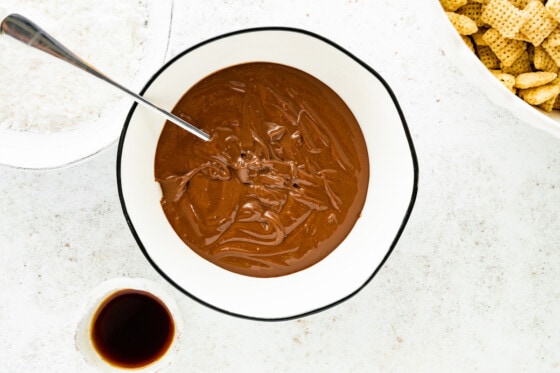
<point x="24" y="30"/>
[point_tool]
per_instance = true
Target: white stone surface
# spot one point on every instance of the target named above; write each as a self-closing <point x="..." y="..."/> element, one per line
<point x="473" y="284"/>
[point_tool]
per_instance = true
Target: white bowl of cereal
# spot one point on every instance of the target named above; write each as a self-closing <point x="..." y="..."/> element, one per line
<point x="511" y="50"/>
<point x="53" y="114"/>
<point x="300" y="195"/>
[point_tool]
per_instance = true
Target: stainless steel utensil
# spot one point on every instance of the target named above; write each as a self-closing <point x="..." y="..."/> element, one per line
<point x="24" y="30"/>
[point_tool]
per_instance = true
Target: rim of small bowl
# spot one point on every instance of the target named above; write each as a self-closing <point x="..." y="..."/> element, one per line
<point x="405" y="218"/>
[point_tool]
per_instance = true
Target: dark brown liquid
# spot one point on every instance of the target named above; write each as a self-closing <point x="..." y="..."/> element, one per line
<point x="131" y="329"/>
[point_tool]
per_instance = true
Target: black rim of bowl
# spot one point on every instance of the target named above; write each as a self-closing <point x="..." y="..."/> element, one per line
<point x="398" y="234"/>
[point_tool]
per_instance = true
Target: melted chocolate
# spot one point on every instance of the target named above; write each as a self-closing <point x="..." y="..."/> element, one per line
<point x="281" y="182"/>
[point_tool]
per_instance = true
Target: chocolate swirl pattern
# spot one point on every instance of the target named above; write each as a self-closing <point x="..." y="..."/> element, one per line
<point x="282" y="180"/>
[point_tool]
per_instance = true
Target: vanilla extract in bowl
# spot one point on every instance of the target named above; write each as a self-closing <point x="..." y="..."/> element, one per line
<point x="132" y="328"/>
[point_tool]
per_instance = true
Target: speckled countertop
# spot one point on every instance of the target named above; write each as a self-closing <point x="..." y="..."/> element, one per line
<point x="472" y="285"/>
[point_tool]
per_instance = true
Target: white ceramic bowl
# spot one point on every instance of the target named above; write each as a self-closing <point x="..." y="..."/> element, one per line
<point x="391" y="191"/>
<point x="82" y="338"/>
<point x="479" y="75"/>
<point x="30" y="150"/>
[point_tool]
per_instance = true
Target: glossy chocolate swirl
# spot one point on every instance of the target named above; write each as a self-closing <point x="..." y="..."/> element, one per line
<point x="282" y="180"/>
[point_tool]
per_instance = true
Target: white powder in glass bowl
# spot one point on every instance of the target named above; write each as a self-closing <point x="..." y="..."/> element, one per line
<point x="53" y="114"/>
<point x="42" y="94"/>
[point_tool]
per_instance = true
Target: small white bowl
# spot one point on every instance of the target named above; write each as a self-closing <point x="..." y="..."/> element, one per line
<point x="32" y="150"/>
<point x="479" y="75"/>
<point x="391" y="191"/>
<point x="98" y="295"/>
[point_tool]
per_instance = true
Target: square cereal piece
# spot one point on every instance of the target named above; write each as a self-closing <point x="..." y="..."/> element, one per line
<point x="553" y="8"/>
<point x="531" y="51"/>
<point x="504" y="17"/>
<point x="473" y="11"/>
<point x="477" y="37"/>
<point x="488" y="58"/>
<point x="463" y="24"/>
<point x="543" y="62"/>
<point x="552" y="50"/>
<point x="520" y="66"/>
<point x="553" y="39"/>
<point x="452" y="5"/>
<point x="507" y="50"/>
<point x="539" y="23"/>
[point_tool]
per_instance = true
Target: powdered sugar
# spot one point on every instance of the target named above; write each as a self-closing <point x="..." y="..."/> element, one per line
<point x="42" y="94"/>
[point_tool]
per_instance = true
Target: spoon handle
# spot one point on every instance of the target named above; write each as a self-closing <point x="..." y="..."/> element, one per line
<point x="24" y="30"/>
